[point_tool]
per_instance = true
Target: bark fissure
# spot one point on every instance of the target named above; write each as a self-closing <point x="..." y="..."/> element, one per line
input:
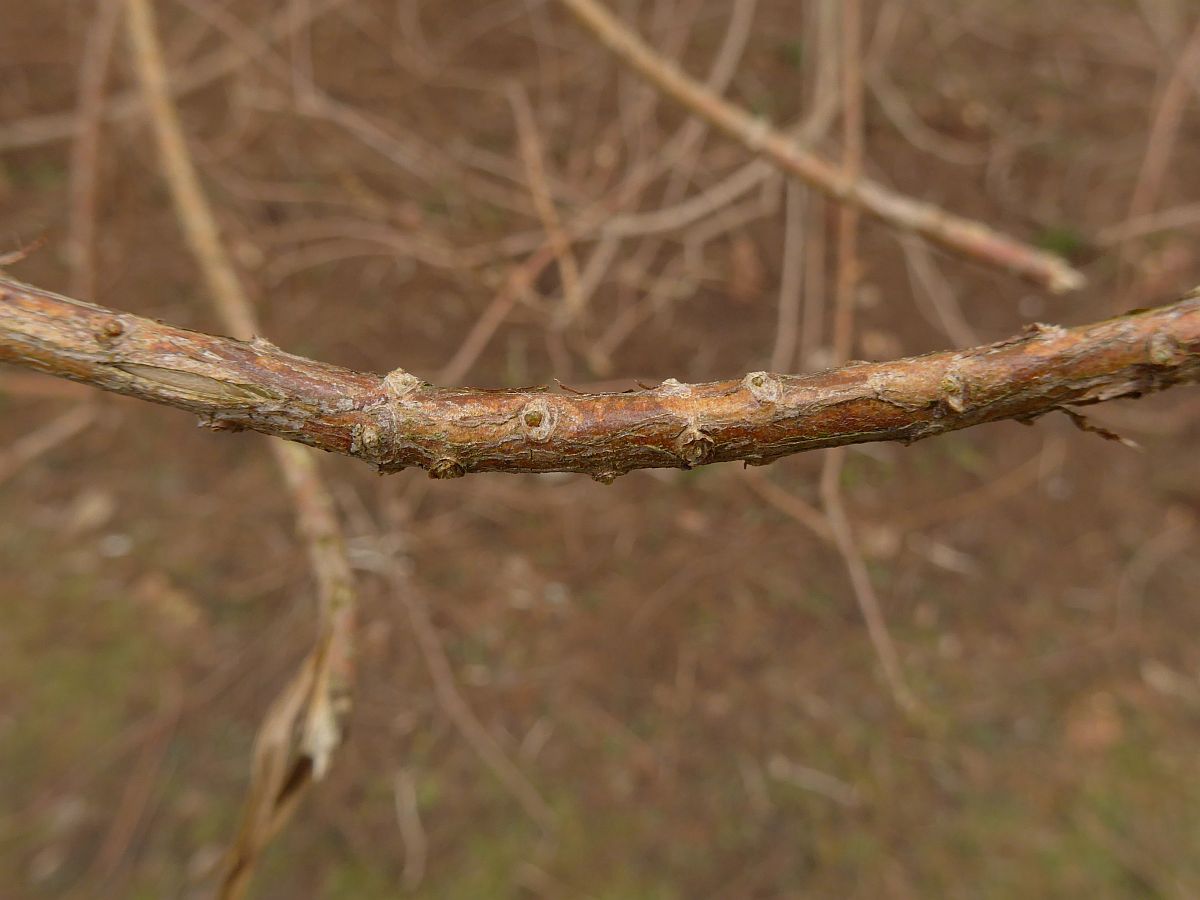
<point x="396" y="421"/>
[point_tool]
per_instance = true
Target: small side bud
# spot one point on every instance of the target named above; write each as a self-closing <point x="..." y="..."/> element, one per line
<point x="447" y="468"/>
<point x="366" y="440"/>
<point x="1041" y="329"/>
<point x="954" y="392"/>
<point x="605" y="477"/>
<point x="399" y="384"/>
<point x="215" y="424"/>
<point x="1164" y="350"/>
<point x="112" y="329"/>
<point x="538" y="419"/>
<point x="673" y="388"/>
<point x="765" y="387"/>
<point x="694" y="446"/>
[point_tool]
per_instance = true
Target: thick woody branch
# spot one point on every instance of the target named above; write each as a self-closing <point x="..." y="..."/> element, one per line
<point x="965" y="237"/>
<point x="397" y="421"/>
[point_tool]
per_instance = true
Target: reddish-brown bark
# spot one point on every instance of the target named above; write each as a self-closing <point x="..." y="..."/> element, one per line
<point x="396" y="421"/>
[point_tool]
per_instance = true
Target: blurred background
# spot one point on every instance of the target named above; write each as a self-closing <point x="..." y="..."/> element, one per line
<point x="673" y="669"/>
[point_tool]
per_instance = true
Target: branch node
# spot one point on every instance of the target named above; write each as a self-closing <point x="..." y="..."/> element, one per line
<point x="765" y="387"/>
<point x="447" y="467"/>
<point x="366" y="440"/>
<point x="213" y="423"/>
<point x="1041" y="329"/>
<point x="954" y="392"/>
<point x="109" y="331"/>
<point x="399" y="384"/>
<point x="538" y="419"/>
<point x="607" y="477"/>
<point x="695" y="447"/>
<point x="1165" y="350"/>
<point x="673" y="388"/>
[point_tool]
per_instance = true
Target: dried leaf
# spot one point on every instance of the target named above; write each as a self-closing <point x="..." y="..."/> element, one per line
<point x="293" y="748"/>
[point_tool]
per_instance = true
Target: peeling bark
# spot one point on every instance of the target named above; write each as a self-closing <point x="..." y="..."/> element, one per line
<point x="396" y="421"/>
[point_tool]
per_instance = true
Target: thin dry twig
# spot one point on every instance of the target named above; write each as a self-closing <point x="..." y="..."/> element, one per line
<point x="1164" y="129"/>
<point x="307" y="722"/>
<point x="535" y="167"/>
<point x="36" y="131"/>
<point x="853" y="152"/>
<point x="1177" y="534"/>
<point x="412" y="832"/>
<point x="931" y="289"/>
<point x="978" y="500"/>
<point x="519" y="280"/>
<point x="136" y="797"/>
<point x="788" y="503"/>
<point x="37" y="443"/>
<point x="843" y="336"/>
<point x="93" y="76"/>
<point x="1160" y="142"/>
<point x="965" y="237"/>
<point x="791" y="281"/>
<point x="460" y="712"/>
<point x="1185" y="216"/>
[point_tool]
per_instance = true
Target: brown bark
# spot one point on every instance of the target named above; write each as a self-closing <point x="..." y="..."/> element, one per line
<point x="396" y="421"/>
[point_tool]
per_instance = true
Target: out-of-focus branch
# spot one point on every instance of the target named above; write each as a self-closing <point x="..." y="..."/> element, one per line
<point x="840" y="525"/>
<point x="49" y="128"/>
<point x="965" y="237"/>
<point x="396" y="421"/>
<point x="93" y="76"/>
<point x="307" y="721"/>
<point x="32" y="445"/>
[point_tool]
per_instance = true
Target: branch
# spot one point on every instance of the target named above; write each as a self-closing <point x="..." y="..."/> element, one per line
<point x="397" y="421"/>
<point x="307" y="721"/>
<point x="965" y="237"/>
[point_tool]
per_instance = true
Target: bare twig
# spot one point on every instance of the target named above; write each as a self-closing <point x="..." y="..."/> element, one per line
<point x="1185" y="216"/>
<point x="307" y="721"/>
<point x="520" y="278"/>
<point x="843" y="335"/>
<point x="791" y="505"/>
<point x="864" y="590"/>
<point x="36" y="131"/>
<point x="412" y="832"/>
<point x="397" y="420"/>
<point x="791" y="281"/>
<point x="460" y="712"/>
<point x="1176" y="535"/>
<point x="196" y="219"/>
<point x="41" y="441"/>
<point x="853" y="151"/>
<point x="978" y="500"/>
<point x="1164" y="129"/>
<point x="93" y="75"/>
<point x="931" y="289"/>
<point x="966" y="237"/>
<point x="535" y="167"/>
